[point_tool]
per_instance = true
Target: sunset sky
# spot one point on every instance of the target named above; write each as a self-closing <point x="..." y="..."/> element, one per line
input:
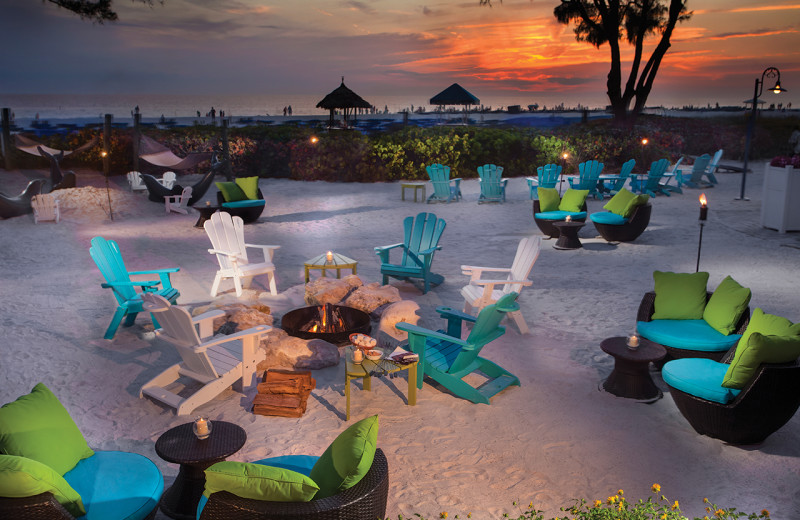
<point x="383" y="46"/>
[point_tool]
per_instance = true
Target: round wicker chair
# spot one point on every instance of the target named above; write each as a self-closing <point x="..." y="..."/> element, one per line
<point x="248" y="214"/>
<point x="367" y="499"/>
<point x="546" y="226"/>
<point x="629" y="231"/>
<point x="41" y="507"/>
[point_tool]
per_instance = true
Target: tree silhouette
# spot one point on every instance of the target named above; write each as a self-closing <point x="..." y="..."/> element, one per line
<point x="97" y="11"/>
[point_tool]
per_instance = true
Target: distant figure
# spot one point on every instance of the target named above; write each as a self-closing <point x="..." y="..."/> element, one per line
<point x="290" y="109"/>
<point x="385" y="109"/>
<point x="795" y="139"/>
<point x="213" y="113"/>
<point x="162" y="119"/>
<point x="136" y="109"/>
<point x="221" y="113"/>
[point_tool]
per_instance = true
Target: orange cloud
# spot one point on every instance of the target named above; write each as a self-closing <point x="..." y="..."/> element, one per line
<point x="752" y="34"/>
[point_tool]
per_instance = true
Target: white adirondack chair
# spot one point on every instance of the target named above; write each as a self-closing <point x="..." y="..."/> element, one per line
<point x="178" y="203"/>
<point x="45" y="207"/>
<point x="168" y="179"/>
<point x="481" y="292"/>
<point x="135" y="181"/>
<point x="227" y="239"/>
<point x="214" y="362"/>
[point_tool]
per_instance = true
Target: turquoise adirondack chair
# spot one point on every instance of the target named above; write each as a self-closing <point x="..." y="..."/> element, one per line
<point x="698" y="170"/>
<point x="445" y="189"/>
<point x="493" y="185"/>
<point x="652" y="184"/>
<point x="546" y="177"/>
<point x="447" y="359"/>
<point x="589" y="177"/>
<point x="712" y="167"/>
<point x="107" y="256"/>
<point x="624" y="174"/>
<point x="420" y="242"/>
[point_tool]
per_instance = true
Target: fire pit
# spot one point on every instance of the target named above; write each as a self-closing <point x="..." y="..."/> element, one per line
<point x="333" y="323"/>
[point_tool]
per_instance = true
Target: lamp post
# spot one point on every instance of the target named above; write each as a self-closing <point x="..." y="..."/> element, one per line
<point x="703" y="217"/>
<point x="564" y="156"/>
<point x="643" y="180"/>
<point x="770" y="72"/>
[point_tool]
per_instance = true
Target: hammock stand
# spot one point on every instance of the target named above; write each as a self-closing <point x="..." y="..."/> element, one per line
<point x="32" y="147"/>
<point x="157" y="154"/>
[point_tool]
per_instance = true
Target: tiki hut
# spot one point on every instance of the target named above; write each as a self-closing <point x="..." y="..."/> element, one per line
<point x="455" y="94"/>
<point x="345" y="99"/>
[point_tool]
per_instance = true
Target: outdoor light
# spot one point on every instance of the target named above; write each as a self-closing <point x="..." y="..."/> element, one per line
<point x="770" y="72"/>
<point x="314" y="139"/>
<point x="703" y="207"/>
<point x="565" y="156"/>
<point x="703" y="217"/>
<point x="645" y="141"/>
<point x="103" y="154"/>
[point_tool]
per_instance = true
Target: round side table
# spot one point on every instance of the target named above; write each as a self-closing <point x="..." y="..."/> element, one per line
<point x="568" y="234"/>
<point x="180" y="446"/>
<point x="205" y="213"/>
<point x="631" y="375"/>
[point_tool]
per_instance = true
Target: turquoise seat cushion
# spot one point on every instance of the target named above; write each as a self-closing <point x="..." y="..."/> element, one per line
<point x="606" y="217"/>
<point x="560" y="215"/>
<point x="244" y="203"/>
<point x="699" y="377"/>
<point x="687" y="335"/>
<point x="117" y="485"/>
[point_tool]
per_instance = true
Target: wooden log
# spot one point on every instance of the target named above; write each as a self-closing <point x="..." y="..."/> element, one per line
<point x="281" y="405"/>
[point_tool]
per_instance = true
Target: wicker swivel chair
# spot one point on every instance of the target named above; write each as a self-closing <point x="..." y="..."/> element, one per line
<point x="367" y="499"/>
<point x="248" y="214"/>
<point x="546" y="226"/>
<point x="768" y="401"/>
<point x="629" y="231"/>
<point x="41" y="507"/>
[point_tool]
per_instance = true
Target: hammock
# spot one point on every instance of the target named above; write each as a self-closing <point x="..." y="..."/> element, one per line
<point x="32" y="147"/>
<point x="159" y="155"/>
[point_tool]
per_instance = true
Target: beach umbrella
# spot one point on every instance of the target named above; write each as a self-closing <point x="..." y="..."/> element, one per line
<point x="343" y="98"/>
<point x="455" y="94"/>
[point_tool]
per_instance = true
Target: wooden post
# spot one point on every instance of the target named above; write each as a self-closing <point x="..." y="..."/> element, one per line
<point x="106" y="161"/>
<point x="137" y="119"/>
<point x="6" y="147"/>
<point x="226" y="151"/>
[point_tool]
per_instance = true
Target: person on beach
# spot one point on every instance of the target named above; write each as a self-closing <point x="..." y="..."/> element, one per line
<point x="290" y="109"/>
<point x="213" y="113"/>
<point x="284" y="111"/>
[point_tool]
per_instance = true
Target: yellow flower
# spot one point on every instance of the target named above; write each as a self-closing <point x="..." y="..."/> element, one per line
<point x="765" y="513"/>
<point x="719" y="513"/>
<point x="469" y="515"/>
<point x="530" y="506"/>
<point x="675" y="505"/>
<point x="705" y="501"/>
<point x="706" y="518"/>
<point x="620" y="507"/>
<point x="443" y="514"/>
<point x="664" y="516"/>
<point x="656" y="488"/>
<point x="620" y="492"/>
<point x="611" y="499"/>
<point x="597" y="503"/>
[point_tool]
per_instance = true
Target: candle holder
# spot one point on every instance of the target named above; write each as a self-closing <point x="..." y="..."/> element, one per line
<point x="568" y="218"/>
<point x="633" y="342"/>
<point x="201" y="427"/>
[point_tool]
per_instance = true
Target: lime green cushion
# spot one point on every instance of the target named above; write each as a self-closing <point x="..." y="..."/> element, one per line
<point x="638" y="200"/>
<point x="759" y="349"/>
<point x="24" y="477"/>
<point x="259" y="482"/>
<point x="548" y="199"/>
<point x="679" y="296"/>
<point x="249" y="186"/>
<point x="38" y="427"/>
<point x="726" y="305"/>
<point x="231" y="191"/>
<point x="619" y="202"/>
<point x="573" y="200"/>
<point x="347" y="459"/>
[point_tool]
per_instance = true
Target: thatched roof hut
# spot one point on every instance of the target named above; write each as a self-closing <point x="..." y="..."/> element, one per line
<point x="455" y="94"/>
<point x="345" y="99"/>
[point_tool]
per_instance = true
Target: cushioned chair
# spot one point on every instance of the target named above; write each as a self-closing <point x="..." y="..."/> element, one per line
<point x="47" y="471"/>
<point x="545" y="220"/>
<point x="615" y="228"/>
<point x="248" y="210"/>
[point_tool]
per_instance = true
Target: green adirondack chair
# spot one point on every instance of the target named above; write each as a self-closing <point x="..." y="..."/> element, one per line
<point x="698" y="170"/>
<point x="445" y="189"/>
<point x="589" y="176"/>
<point x="447" y="359"/>
<point x="420" y="242"/>
<point x="546" y="177"/>
<point x="106" y="254"/>
<point x="493" y="185"/>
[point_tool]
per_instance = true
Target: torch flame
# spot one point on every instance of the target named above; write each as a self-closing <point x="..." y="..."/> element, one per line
<point x="703" y="200"/>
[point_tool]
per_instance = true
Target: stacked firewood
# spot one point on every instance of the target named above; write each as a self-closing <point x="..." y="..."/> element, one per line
<point x="283" y="393"/>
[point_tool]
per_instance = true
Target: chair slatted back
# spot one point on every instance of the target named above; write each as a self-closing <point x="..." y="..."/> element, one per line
<point x="657" y="170"/>
<point x="527" y="253"/>
<point x="589" y="173"/>
<point x="168" y="180"/>
<point x="548" y="175"/>
<point x="227" y="234"/>
<point x="486" y="329"/>
<point x="108" y="257"/>
<point x="45" y="207"/>
<point x="135" y="181"/>
<point x="439" y="175"/>
<point x="699" y="168"/>
<point x="491" y="177"/>
<point x="674" y="169"/>
<point x="421" y="233"/>
<point x="712" y="166"/>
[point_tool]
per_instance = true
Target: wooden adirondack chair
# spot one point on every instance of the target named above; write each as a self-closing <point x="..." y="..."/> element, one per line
<point x="178" y="203"/>
<point x="672" y="174"/>
<point x="624" y="175"/>
<point x="589" y="177"/>
<point x="481" y="292"/>
<point x="447" y="359"/>
<point x="45" y="207"/>
<point x="210" y="361"/>
<point x="135" y="181"/>
<point x="227" y="239"/>
<point x="698" y="170"/>
<point x="168" y="180"/>
<point x="106" y="254"/>
<point x="711" y="169"/>
<point x="445" y="189"/>
<point x="420" y="242"/>
<point x="546" y="177"/>
<point x="652" y="183"/>
<point x="493" y="185"/>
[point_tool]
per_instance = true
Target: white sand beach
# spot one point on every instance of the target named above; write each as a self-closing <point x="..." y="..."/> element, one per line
<point x="555" y="438"/>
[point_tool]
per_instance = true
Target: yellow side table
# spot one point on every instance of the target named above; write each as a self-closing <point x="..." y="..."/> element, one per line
<point x="415" y="186"/>
<point x="368" y="368"/>
<point x="330" y="260"/>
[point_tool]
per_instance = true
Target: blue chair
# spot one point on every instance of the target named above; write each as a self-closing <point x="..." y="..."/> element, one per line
<point x="589" y="178"/>
<point x="493" y="186"/>
<point x="546" y="176"/>
<point x="698" y="171"/>
<point x="420" y="242"/>
<point x="652" y="184"/>
<point x="624" y="175"/>
<point x="445" y="189"/>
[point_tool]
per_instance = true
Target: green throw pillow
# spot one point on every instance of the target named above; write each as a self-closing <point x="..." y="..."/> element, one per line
<point x="726" y="305"/>
<point x="24" y="477"/>
<point x="37" y="426"/>
<point x="347" y="459"/>
<point x="759" y="349"/>
<point x="231" y="191"/>
<point x="573" y="200"/>
<point x="638" y="200"/>
<point x="249" y="186"/>
<point x="259" y="482"/>
<point x="548" y="199"/>
<point x="679" y="296"/>
<point x="619" y="202"/>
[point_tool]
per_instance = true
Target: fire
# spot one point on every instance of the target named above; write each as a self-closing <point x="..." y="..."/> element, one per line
<point x="703" y="200"/>
<point x="329" y="321"/>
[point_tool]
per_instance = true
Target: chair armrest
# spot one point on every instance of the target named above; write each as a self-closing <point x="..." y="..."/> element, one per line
<point x="468" y="269"/>
<point x="221" y="252"/>
<point x="496" y="282"/>
<point x="252" y="331"/>
<point x="449" y="312"/>
<point x="428" y="333"/>
<point x="383" y="251"/>
<point x="384" y="248"/>
<point x="428" y="251"/>
<point x="143" y="283"/>
<point x="205" y="322"/>
<point x="268" y="251"/>
<point x="157" y="271"/>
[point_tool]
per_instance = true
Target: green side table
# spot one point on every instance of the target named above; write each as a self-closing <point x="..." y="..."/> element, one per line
<point x="366" y="369"/>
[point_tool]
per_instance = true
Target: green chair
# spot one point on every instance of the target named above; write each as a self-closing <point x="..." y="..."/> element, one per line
<point x="447" y="359"/>
<point x="108" y="257"/>
<point x="445" y="189"/>
<point x="493" y="186"/>
<point x="420" y="242"/>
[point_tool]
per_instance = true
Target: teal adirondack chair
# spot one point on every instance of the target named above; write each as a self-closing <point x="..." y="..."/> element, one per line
<point x="712" y="167"/>
<point x="698" y="170"/>
<point x="445" y="189"/>
<point x="624" y="174"/>
<point x="420" y="242"/>
<point x="107" y="256"/>
<point x="447" y="359"/>
<point x="652" y="184"/>
<point x="493" y="185"/>
<point x="546" y="177"/>
<point x="589" y="176"/>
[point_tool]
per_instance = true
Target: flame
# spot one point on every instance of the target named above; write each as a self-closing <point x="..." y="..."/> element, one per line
<point x="645" y="141"/>
<point x="703" y="200"/>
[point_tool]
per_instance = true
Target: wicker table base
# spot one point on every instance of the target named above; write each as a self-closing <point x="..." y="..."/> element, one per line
<point x="631" y="375"/>
<point x="568" y="235"/>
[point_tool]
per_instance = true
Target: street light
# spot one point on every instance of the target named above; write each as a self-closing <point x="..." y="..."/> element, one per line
<point x="770" y="72"/>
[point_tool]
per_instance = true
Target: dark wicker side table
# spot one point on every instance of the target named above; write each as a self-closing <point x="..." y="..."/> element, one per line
<point x="631" y="375"/>
<point x="205" y="213"/>
<point x="568" y="234"/>
<point x="180" y="446"/>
